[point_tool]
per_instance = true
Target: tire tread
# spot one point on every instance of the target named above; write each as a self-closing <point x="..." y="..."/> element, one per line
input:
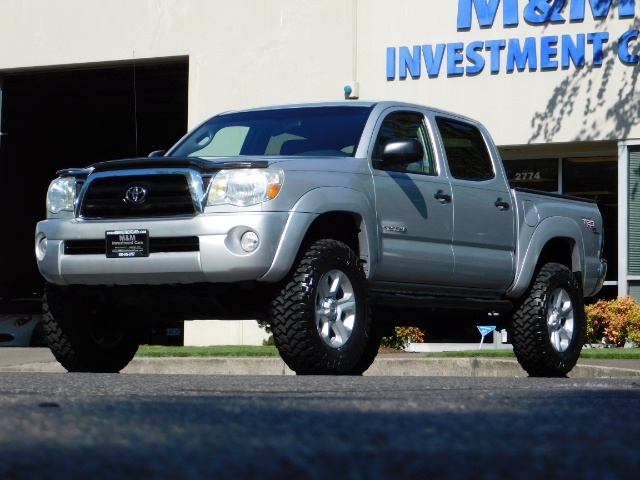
<point x="293" y="317"/>
<point x="529" y="331"/>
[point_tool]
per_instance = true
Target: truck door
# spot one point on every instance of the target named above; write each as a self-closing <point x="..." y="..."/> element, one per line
<point x="483" y="229"/>
<point x="415" y="214"/>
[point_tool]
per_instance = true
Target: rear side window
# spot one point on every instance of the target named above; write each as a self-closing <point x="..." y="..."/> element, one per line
<point x="466" y="151"/>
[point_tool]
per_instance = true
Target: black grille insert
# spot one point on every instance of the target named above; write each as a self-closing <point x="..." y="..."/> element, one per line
<point x="165" y="195"/>
<point x="156" y="245"/>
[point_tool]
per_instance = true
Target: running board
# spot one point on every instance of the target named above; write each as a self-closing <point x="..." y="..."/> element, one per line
<point x="405" y="300"/>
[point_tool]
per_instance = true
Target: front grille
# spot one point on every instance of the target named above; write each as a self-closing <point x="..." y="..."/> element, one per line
<point x="165" y="195"/>
<point x="156" y="245"/>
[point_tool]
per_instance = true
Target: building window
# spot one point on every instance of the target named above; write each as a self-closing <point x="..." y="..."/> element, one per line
<point x="541" y="174"/>
<point x="634" y="214"/>
<point x="596" y="178"/>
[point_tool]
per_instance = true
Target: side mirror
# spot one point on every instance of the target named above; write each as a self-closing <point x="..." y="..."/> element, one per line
<point x="157" y="153"/>
<point x="401" y="151"/>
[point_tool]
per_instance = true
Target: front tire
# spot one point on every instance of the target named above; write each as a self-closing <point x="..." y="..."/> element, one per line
<point x="320" y="320"/>
<point x="81" y="338"/>
<point x="548" y="329"/>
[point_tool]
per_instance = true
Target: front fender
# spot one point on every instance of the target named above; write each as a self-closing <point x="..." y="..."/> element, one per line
<point x="309" y="207"/>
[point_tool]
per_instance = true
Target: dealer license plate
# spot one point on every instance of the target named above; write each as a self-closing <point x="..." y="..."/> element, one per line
<point x="127" y="243"/>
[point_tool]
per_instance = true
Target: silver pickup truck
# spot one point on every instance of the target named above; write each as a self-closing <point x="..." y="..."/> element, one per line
<point x="332" y="222"/>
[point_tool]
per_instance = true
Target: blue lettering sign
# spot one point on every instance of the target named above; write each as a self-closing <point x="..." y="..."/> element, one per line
<point x="571" y="51"/>
<point x="623" y="47"/>
<point x="431" y="60"/>
<point x="410" y="62"/>
<point x="598" y="40"/>
<point x="494" y="47"/>
<point x="454" y="58"/>
<point x="548" y="52"/>
<point x="475" y="58"/>
<point x="538" y="12"/>
<point x="600" y="9"/>
<point x="486" y="11"/>
<point x="521" y="56"/>
<point x="391" y="63"/>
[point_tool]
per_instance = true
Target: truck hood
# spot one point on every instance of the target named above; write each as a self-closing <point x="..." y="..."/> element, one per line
<point x="338" y="164"/>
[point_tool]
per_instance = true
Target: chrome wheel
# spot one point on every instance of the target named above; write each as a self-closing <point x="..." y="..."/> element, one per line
<point x="335" y="308"/>
<point x="560" y="319"/>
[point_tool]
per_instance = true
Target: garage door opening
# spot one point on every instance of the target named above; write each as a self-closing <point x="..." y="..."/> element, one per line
<point x="72" y="118"/>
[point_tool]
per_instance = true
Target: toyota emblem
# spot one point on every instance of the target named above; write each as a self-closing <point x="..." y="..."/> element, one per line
<point x="135" y="195"/>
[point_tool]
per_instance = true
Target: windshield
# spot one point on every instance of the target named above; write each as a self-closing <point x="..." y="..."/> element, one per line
<point x="318" y="131"/>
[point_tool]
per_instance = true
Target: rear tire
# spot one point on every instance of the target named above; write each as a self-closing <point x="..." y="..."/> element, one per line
<point x="548" y="329"/>
<point x="84" y="338"/>
<point x="320" y="320"/>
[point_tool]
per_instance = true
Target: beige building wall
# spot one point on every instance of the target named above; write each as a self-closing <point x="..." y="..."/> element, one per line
<point x="202" y="333"/>
<point x="242" y="53"/>
<point x="248" y="53"/>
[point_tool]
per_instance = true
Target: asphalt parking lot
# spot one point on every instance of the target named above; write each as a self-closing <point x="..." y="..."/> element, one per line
<point x="16" y="359"/>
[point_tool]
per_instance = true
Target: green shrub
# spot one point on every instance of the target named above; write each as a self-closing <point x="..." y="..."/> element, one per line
<point x="402" y="336"/>
<point x="614" y="320"/>
<point x="269" y="342"/>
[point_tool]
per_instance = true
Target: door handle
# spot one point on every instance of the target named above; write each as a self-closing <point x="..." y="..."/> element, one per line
<point x="442" y="197"/>
<point x="501" y="204"/>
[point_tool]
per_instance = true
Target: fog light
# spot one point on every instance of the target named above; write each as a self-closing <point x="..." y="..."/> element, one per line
<point x="249" y="241"/>
<point x="41" y="247"/>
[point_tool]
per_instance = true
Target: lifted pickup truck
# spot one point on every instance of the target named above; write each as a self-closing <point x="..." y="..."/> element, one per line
<point x="332" y="222"/>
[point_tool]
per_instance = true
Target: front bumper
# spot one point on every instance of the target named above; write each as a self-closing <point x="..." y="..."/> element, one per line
<point x="219" y="257"/>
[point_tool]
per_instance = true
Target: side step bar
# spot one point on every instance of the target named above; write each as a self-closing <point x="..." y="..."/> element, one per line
<point x="404" y="300"/>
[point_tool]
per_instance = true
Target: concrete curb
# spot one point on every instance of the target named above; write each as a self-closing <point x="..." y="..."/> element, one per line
<point x="383" y="366"/>
<point x="210" y="366"/>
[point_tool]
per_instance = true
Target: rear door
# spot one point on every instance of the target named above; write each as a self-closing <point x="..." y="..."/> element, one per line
<point x="415" y="214"/>
<point x="483" y="227"/>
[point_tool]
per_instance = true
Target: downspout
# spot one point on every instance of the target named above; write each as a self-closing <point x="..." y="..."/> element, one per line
<point x="352" y="87"/>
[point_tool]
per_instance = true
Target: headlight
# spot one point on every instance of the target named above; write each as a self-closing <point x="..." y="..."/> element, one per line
<point x="60" y="195"/>
<point x="247" y="186"/>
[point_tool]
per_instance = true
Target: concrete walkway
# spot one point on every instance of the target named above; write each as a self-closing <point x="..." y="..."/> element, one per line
<point x="386" y="364"/>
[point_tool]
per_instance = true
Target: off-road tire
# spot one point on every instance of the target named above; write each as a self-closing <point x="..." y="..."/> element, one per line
<point x="301" y="332"/>
<point x="37" y="337"/>
<point x="548" y="329"/>
<point x="370" y="352"/>
<point x="80" y="339"/>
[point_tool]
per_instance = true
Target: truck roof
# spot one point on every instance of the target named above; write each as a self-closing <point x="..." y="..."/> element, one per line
<point x="382" y="104"/>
